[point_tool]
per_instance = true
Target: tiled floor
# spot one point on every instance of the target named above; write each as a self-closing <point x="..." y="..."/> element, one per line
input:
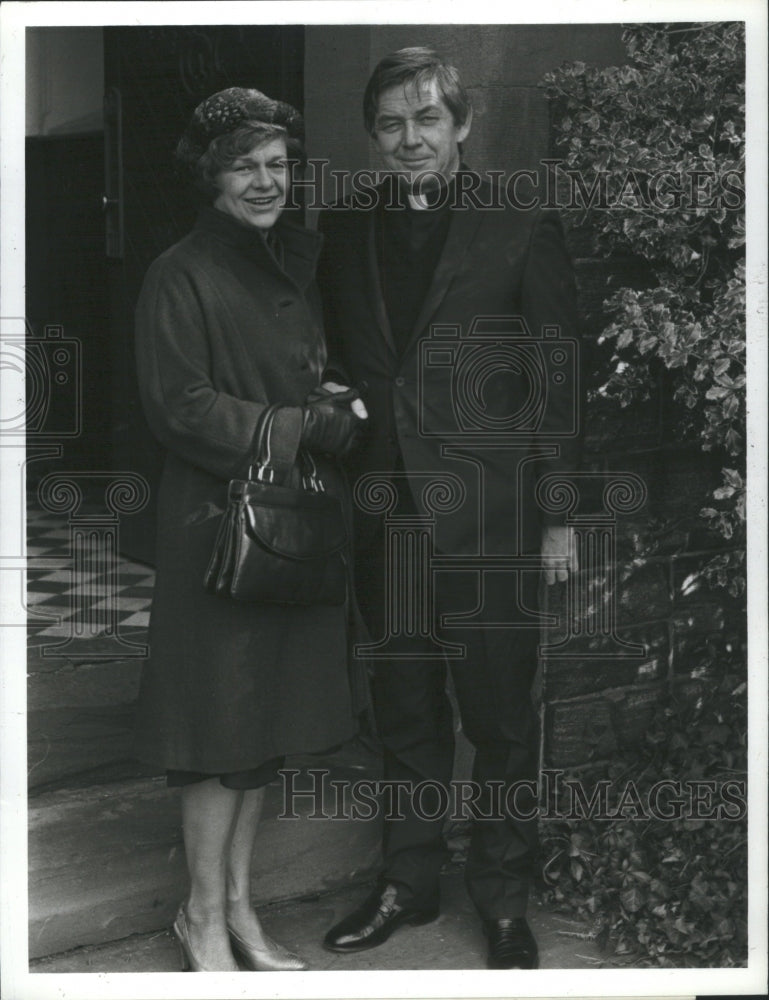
<point x="100" y="596"/>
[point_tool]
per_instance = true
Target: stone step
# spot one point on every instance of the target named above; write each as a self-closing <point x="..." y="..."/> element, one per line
<point x="55" y="682"/>
<point x="107" y="862"/>
<point x="80" y="720"/>
<point x="70" y="746"/>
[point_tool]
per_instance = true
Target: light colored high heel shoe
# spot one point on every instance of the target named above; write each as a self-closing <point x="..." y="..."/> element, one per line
<point x="270" y="957"/>
<point x="189" y="961"/>
<point x="182" y="935"/>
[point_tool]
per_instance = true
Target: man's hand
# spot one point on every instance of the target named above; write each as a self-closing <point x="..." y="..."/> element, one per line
<point x="559" y="553"/>
<point x="357" y="406"/>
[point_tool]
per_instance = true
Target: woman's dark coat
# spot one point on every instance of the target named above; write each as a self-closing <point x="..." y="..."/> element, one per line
<point x="222" y="330"/>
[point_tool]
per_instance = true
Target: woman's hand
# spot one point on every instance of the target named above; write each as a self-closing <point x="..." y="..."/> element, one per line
<point x="332" y="423"/>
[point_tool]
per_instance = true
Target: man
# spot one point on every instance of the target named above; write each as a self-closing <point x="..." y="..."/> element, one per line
<point x="427" y="258"/>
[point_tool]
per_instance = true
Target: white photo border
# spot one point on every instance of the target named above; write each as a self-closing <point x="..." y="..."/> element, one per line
<point x="18" y="982"/>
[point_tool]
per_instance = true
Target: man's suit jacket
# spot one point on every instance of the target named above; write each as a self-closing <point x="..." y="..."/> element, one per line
<point x="496" y="410"/>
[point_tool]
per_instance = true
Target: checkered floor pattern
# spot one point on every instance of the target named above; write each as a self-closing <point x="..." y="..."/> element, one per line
<point x="85" y="594"/>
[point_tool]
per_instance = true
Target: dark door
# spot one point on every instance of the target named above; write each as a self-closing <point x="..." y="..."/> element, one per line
<point x="66" y="300"/>
<point x="154" y="79"/>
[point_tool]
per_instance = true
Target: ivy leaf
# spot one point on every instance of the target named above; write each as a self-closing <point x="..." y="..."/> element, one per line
<point x="660" y="889"/>
<point x="715" y="734"/>
<point x="702" y="123"/>
<point x="633" y="899"/>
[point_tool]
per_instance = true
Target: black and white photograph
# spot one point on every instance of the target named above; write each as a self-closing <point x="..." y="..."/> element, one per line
<point x="383" y="499"/>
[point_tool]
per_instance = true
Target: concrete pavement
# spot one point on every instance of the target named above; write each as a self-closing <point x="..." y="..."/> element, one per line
<point x="454" y="941"/>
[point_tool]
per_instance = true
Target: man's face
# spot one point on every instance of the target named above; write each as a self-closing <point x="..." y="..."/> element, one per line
<point x="414" y="132"/>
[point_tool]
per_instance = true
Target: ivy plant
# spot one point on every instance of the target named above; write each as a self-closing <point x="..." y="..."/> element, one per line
<point x="654" y="151"/>
<point x="665" y="891"/>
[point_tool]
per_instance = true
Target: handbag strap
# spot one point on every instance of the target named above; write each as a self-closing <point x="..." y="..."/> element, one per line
<point x="275" y="454"/>
<point x="261" y="439"/>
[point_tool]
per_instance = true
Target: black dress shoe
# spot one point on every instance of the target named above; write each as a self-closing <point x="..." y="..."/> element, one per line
<point x="375" y="920"/>
<point x="511" y="944"/>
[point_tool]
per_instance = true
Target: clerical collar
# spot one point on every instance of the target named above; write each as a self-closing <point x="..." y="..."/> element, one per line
<point x="423" y="201"/>
<point x="431" y="198"/>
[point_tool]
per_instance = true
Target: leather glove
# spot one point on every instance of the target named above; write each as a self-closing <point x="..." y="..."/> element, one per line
<point x="328" y="424"/>
<point x="322" y="395"/>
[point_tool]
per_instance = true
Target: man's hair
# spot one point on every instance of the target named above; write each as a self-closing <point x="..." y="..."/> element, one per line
<point x="420" y="66"/>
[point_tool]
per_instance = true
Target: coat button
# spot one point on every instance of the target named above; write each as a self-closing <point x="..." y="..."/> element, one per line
<point x="400" y="381"/>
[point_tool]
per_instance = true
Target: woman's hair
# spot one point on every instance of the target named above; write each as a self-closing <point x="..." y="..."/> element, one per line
<point x="225" y="149"/>
<point x="422" y="67"/>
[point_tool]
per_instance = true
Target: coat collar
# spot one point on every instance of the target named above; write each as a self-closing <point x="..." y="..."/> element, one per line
<point x="301" y="246"/>
<point x="462" y="229"/>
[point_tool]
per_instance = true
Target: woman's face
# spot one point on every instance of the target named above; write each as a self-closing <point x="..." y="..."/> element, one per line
<point x="253" y="189"/>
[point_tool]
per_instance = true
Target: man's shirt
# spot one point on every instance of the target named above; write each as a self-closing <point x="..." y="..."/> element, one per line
<point x="409" y="241"/>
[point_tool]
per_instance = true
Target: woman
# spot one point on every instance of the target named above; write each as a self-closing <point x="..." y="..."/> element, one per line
<point x="228" y="323"/>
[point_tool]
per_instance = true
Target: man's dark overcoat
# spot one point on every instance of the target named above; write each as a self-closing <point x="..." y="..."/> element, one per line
<point x="496" y="262"/>
<point x="223" y="330"/>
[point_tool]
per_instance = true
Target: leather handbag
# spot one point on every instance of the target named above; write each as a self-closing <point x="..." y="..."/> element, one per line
<point x="282" y="537"/>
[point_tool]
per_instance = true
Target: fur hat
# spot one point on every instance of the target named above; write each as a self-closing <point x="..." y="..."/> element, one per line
<point x="226" y="110"/>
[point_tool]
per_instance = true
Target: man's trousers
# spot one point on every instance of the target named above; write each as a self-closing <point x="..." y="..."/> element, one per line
<point x="416" y="727"/>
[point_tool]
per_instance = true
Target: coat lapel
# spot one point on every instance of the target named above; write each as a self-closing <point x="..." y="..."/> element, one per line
<point x="301" y="248"/>
<point x="374" y="284"/>
<point x="462" y="229"/>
